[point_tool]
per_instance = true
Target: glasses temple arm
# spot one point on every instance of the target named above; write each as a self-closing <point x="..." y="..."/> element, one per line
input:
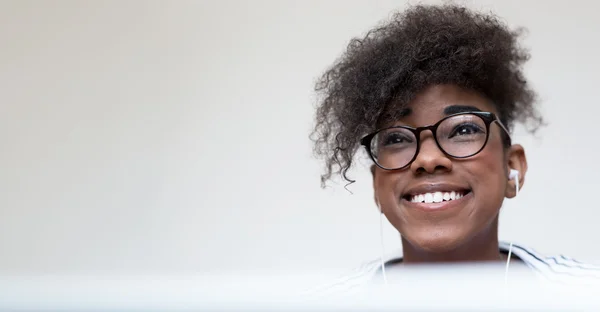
<point x="504" y="128"/>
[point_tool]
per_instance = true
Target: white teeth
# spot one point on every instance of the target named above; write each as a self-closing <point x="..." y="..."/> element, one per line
<point x="438" y="197"/>
<point x="428" y="198"/>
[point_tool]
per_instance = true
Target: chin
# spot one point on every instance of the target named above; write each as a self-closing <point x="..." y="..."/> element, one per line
<point x="435" y="242"/>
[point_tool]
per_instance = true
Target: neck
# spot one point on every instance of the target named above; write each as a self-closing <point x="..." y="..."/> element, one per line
<point x="483" y="247"/>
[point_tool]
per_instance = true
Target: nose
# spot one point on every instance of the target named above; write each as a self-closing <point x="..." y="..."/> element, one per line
<point x="430" y="158"/>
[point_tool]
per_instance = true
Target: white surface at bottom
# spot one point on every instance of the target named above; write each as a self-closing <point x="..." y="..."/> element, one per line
<point x="433" y="288"/>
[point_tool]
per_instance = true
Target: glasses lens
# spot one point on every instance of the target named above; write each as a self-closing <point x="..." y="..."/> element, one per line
<point x="462" y="135"/>
<point x="393" y="148"/>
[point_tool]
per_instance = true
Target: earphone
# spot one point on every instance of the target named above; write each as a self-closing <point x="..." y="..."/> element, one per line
<point x="513" y="174"/>
<point x="382" y="245"/>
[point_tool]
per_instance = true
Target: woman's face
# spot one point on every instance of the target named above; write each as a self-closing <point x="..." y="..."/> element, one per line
<point x="481" y="180"/>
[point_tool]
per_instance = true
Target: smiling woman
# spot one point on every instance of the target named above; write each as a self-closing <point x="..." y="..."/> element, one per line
<point x="432" y="96"/>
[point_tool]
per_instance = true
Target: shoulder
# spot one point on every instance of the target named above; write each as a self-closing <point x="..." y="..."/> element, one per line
<point x="557" y="268"/>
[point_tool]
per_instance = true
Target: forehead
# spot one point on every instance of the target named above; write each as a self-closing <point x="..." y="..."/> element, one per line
<point x="435" y="102"/>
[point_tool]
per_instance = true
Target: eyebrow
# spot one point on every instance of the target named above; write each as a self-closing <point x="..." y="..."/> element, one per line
<point x="404" y="112"/>
<point x="452" y="109"/>
<point x="455" y="109"/>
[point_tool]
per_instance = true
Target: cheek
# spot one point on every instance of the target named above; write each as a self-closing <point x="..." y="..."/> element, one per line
<point x="385" y="188"/>
<point x="488" y="175"/>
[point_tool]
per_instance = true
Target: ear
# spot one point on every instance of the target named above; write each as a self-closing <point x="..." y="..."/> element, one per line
<point x="515" y="160"/>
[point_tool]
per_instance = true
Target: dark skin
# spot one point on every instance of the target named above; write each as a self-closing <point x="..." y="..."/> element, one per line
<point x="468" y="232"/>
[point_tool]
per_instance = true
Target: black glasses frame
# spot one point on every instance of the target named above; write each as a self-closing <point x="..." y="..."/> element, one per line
<point x="487" y="117"/>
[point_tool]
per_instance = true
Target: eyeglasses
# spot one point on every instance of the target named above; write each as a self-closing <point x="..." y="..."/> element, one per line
<point x="459" y="135"/>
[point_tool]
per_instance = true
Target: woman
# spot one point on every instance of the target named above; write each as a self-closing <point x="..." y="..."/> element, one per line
<point x="431" y="96"/>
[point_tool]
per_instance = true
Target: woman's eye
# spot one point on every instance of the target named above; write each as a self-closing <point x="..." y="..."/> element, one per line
<point x="396" y="138"/>
<point x="465" y="129"/>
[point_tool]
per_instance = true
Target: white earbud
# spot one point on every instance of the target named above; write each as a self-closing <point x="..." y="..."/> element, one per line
<point x="514" y="174"/>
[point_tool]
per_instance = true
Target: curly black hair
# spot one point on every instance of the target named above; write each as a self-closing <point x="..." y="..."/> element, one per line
<point x="418" y="47"/>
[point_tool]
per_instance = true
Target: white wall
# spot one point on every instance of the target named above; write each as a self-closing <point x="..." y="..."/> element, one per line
<point x="172" y="136"/>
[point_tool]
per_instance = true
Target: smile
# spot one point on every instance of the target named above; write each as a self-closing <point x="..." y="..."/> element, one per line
<point x="436" y="197"/>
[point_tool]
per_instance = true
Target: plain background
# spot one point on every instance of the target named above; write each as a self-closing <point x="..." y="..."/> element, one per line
<point x="172" y="136"/>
